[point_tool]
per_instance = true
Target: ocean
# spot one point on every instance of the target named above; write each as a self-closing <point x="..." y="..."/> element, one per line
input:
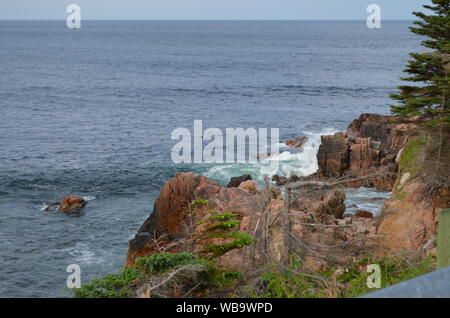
<point x="90" y="112"/>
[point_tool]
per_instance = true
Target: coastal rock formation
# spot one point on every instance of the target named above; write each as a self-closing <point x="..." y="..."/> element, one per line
<point x="262" y="214"/>
<point x="369" y="147"/>
<point x="410" y="218"/>
<point x="363" y="214"/>
<point x="375" y="151"/>
<point x="323" y="204"/>
<point x="249" y="186"/>
<point x="402" y="155"/>
<point x="297" y="143"/>
<point x="71" y="204"/>
<point x="236" y="181"/>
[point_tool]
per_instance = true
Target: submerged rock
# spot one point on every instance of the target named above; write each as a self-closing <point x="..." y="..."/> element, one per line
<point x="297" y="143"/>
<point x="363" y="214"/>
<point x="71" y="204"/>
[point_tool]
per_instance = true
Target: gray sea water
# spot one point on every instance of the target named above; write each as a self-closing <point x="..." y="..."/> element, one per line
<point x="90" y="112"/>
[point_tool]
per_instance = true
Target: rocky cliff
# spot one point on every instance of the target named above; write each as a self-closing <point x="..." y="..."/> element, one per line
<point x="369" y="147"/>
<point x="315" y="227"/>
<point x="404" y="155"/>
<point x="376" y="151"/>
<point x="421" y="190"/>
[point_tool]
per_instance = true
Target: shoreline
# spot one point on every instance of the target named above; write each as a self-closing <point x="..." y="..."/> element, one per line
<point x="371" y="149"/>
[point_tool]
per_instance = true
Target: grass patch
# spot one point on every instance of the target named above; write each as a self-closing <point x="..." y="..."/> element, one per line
<point x="291" y="282"/>
<point x="409" y="158"/>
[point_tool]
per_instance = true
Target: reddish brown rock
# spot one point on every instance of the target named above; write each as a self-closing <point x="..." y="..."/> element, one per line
<point x="333" y="155"/>
<point x="236" y="181"/>
<point x="297" y="143"/>
<point x="331" y="203"/>
<point x="260" y="215"/>
<point x="280" y="180"/>
<point x="369" y="147"/>
<point x="71" y="204"/>
<point x="276" y="192"/>
<point x="249" y="186"/>
<point x="409" y="220"/>
<point x="363" y="214"/>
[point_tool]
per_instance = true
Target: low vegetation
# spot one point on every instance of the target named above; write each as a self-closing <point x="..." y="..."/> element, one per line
<point x="409" y="158"/>
<point x="200" y="271"/>
<point x="291" y="282"/>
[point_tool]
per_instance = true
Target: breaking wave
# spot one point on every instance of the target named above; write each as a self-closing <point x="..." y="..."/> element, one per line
<point x="290" y="161"/>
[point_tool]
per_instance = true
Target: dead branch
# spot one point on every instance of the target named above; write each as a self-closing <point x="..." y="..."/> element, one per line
<point x="342" y="180"/>
<point x="190" y="271"/>
<point x="325" y="225"/>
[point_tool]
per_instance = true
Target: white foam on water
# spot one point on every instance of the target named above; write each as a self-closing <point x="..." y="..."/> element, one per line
<point x="290" y="161"/>
<point x="83" y="254"/>
<point x="42" y="206"/>
<point x="361" y="197"/>
<point x="89" y="198"/>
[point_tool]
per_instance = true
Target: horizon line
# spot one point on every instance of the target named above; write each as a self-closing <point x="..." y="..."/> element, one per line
<point x="219" y="20"/>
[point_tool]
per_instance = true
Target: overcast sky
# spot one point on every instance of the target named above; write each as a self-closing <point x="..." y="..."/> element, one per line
<point x="208" y="9"/>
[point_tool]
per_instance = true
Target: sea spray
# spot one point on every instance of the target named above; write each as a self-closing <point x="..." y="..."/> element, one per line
<point x="291" y="161"/>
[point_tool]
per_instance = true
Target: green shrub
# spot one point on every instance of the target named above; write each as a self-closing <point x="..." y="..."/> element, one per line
<point x="225" y="225"/>
<point x="157" y="263"/>
<point x="224" y="216"/>
<point x="240" y="240"/>
<point x="110" y="286"/>
<point x="217" y="277"/>
<point x="199" y="202"/>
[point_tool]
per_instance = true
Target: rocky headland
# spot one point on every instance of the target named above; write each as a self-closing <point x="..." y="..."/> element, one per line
<point x="243" y="227"/>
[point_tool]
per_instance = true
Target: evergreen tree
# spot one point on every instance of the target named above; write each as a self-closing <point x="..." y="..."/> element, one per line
<point x="429" y="70"/>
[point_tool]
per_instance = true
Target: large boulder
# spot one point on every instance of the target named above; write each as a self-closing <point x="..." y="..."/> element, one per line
<point x="330" y="204"/>
<point x="236" y="181"/>
<point x="333" y="155"/>
<point x="249" y="186"/>
<point x="71" y="204"/>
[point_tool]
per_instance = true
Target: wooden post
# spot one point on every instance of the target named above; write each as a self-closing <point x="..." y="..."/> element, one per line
<point x="443" y="244"/>
<point x="286" y="226"/>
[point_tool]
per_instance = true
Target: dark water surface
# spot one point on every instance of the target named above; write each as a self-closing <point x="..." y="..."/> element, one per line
<point x="90" y="112"/>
